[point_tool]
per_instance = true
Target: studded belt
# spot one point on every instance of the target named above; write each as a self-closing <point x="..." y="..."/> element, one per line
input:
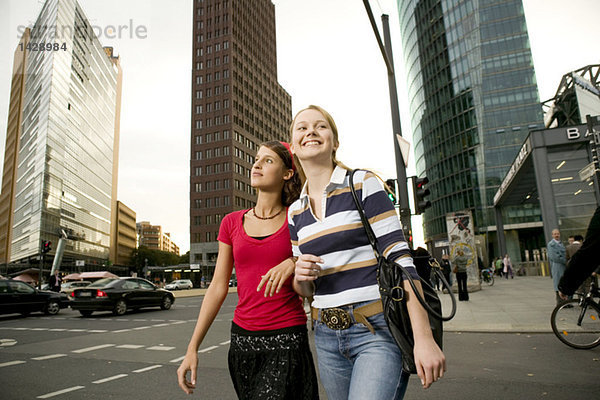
<point x="338" y="318"/>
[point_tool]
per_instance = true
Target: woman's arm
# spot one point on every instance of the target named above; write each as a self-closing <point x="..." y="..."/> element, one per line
<point x="429" y="358"/>
<point x="215" y="295"/>
<point x="307" y="270"/>
<point x="276" y="277"/>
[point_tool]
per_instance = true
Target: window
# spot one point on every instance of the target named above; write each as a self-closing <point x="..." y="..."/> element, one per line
<point x="198" y="94"/>
<point x="198" y="218"/>
<point x="198" y="171"/>
<point x="198" y="139"/>
<point x="199" y="124"/>
<point x="198" y="187"/>
<point x="198" y="109"/>
<point x="198" y="155"/>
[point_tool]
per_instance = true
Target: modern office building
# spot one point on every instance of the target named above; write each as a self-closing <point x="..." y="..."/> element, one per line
<point x="553" y="170"/>
<point x="125" y="234"/>
<point x="473" y="99"/>
<point x="62" y="141"/>
<point x="153" y="237"/>
<point x="237" y="103"/>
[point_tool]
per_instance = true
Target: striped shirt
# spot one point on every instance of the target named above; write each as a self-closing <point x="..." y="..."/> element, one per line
<point x="349" y="270"/>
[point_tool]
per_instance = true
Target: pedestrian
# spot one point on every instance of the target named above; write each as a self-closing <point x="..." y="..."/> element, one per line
<point x="269" y="355"/>
<point x="557" y="257"/>
<point x="499" y="266"/>
<point x="508" y="269"/>
<point x="585" y="261"/>
<point x="54" y="282"/>
<point x="357" y="356"/>
<point x="572" y="247"/>
<point x="460" y="269"/>
<point x="446" y="269"/>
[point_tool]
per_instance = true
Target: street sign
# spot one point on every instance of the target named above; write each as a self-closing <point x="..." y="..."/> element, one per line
<point x="79" y="263"/>
<point x="586" y="173"/>
<point x="404" y="148"/>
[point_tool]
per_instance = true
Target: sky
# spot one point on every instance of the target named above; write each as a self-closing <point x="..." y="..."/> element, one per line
<point x="327" y="55"/>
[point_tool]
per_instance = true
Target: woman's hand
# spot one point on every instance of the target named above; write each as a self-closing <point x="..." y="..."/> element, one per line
<point x="189" y="363"/>
<point x="274" y="279"/>
<point x="307" y="268"/>
<point x="429" y="360"/>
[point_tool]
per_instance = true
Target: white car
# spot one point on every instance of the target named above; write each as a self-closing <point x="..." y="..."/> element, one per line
<point x="180" y="284"/>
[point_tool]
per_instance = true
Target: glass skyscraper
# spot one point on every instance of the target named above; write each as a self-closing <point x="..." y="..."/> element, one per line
<point x="67" y="141"/>
<point x="473" y="98"/>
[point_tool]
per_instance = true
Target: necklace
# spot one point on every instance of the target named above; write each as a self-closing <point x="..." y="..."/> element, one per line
<point x="263" y="218"/>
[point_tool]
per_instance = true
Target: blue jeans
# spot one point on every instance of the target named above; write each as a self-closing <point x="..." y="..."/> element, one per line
<point x="356" y="364"/>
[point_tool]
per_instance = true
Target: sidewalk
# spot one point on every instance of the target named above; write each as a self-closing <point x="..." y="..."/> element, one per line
<point x="522" y="304"/>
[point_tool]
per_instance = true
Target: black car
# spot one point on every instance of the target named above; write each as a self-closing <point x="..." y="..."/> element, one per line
<point x="19" y="297"/>
<point x="118" y="295"/>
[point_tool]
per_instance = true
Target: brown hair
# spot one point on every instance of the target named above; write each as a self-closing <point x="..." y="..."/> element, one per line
<point x="293" y="186"/>
<point x="334" y="130"/>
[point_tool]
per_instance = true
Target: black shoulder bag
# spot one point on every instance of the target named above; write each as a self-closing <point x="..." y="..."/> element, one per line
<point x="390" y="276"/>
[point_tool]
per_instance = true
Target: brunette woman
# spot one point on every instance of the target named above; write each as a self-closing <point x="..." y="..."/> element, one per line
<point x="269" y="355"/>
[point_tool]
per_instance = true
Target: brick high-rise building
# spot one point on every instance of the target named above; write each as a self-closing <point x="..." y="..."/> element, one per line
<point x="237" y="104"/>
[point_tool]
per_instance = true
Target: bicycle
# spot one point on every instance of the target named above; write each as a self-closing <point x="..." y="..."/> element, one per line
<point x="576" y="322"/>
<point x="487" y="276"/>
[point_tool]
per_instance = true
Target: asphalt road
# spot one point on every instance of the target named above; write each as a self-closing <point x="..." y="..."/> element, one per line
<point x="135" y="357"/>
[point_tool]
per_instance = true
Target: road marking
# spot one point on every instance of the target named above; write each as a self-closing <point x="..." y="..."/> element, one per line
<point x="110" y="378"/>
<point x="176" y="360"/>
<point x="157" y="320"/>
<point x="8" y="364"/>
<point x="224" y="343"/>
<point x="161" y="348"/>
<point x="147" y="368"/>
<point x="77" y="330"/>
<point x="57" y="329"/>
<point x="139" y="328"/>
<point x="130" y="346"/>
<point x="140" y="320"/>
<point x="102" y="346"/>
<point x="122" y="330"/>
<point x="179" y="322"/>
<point x="49" y="357"/>
<point x="159" y="325"/>
<point x="7" y="342"/>
<point x="67" y="390"/>
<point x="208" y="349"/>
<point x="97" y="330"/>
<point x="39" y="329"/>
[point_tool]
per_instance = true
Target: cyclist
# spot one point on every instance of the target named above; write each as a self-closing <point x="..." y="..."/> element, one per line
<point x="584" y="262"/>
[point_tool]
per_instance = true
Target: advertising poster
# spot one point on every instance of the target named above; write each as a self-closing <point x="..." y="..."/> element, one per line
<point x="461" y="237"/>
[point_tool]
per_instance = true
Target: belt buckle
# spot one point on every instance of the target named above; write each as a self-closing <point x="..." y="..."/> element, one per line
<point x="336" y="318"/>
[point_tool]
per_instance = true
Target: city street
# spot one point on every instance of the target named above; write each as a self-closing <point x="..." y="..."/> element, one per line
<point x="136" y="356"/>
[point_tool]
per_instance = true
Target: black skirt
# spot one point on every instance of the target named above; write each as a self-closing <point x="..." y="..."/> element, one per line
<point x="272" y="365"/>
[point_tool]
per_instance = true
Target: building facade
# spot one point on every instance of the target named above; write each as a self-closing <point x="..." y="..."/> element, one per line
<point x="125" y="234"/>
<point x="65" y="119"/>
<point x="473" y="99"/>
<point x="153" y="237"/>
<point x="237" y="104"/>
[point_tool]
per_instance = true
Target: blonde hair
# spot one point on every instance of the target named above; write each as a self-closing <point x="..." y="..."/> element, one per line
<point x="334" y="130"/>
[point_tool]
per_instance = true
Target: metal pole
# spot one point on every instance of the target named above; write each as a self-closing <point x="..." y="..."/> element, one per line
<point x="594" y="143"/>
<point x="386" y="52"/>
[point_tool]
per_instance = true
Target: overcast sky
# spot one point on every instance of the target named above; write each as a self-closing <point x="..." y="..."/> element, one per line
<point x="327" y="55"/>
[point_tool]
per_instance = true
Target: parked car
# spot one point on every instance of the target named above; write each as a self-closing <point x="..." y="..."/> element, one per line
<point x="19" y="297"/>
<point x="179" y="284"/>
<point x="68" y="287"/>
<point x="119" y="295"/>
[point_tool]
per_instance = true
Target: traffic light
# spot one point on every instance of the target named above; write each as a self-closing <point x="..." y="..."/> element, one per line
<point x="391" y="183"/>
<point x="46" y="246"/>
<point x="419" y="194"/>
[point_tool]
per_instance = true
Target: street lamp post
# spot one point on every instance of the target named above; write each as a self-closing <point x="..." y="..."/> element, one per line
<point x="386" y="52"/>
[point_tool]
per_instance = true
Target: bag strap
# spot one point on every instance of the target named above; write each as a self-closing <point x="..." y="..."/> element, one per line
<point x="373" y="241"/>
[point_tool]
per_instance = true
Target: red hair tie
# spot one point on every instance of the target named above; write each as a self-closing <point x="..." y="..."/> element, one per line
<point x="287" y="146"/>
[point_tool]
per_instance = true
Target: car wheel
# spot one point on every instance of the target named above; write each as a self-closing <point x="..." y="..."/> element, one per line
<point x="120" y="307"/>
<point x="85" y="313"/>
<point x="52" y="308"/>
<point x="166" y="303"/>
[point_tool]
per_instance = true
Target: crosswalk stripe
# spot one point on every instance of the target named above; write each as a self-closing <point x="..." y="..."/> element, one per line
<point x="147" y="368"/>
<point x="208" y="349"/>
<point x="110" y="378"/>
<point x="8" y="364"/>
